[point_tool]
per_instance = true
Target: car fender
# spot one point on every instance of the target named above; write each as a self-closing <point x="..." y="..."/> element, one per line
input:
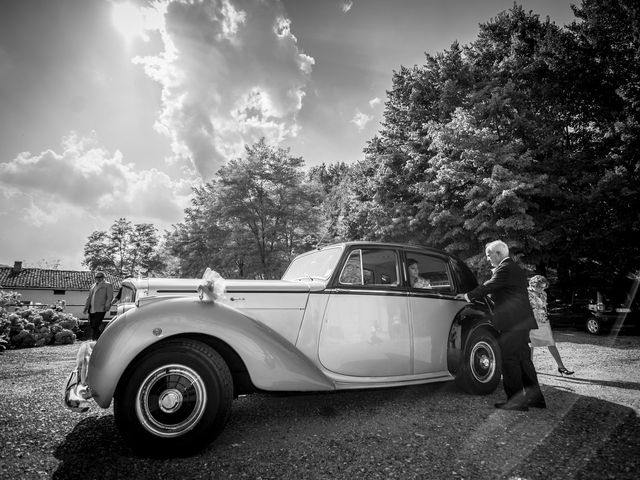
<point x="273" y="363"/>
<point x="470" y="318"/>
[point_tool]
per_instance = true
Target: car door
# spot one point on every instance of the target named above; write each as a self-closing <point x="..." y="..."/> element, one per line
<point x="567" y="310"/>
<point x="366" y="330"/>
<point x="432" y="309"/>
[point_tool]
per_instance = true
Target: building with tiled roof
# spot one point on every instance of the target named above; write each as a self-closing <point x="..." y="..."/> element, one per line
<point x="40" y="286"/>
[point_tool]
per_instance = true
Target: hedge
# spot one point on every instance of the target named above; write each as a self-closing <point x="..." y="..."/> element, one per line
<point x="36" y="327"/>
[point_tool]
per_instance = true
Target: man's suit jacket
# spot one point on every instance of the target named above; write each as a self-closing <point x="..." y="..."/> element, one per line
<point x="507" y="287"/>
<point x="104" y="296"/>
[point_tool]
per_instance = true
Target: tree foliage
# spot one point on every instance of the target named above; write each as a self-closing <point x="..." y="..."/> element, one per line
<point x="251" y="219"/>
<point x="529" y="134"/>
<point x="125" y="250"/>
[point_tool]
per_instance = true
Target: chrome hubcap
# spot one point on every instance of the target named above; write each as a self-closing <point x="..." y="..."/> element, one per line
<point x="482" y="362"/>
<point x="171" y="400"/>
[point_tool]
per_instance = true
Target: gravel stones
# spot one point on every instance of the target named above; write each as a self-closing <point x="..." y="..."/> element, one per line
<point x="591" y="429"/>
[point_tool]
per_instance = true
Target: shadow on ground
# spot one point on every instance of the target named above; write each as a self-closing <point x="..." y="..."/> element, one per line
<point x="576" y="380"/>
<point x="426" y="431"/>
<point x="612" y="339"/>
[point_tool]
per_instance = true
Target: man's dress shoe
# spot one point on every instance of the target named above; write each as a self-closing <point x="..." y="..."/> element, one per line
<point x="511" y="406"/>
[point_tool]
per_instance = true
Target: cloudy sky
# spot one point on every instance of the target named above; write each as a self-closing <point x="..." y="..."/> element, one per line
<point x="113" y="109"/>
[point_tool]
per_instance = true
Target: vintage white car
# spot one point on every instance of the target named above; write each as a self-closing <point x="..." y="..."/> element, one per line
<point x="133" y="289"/>
<point x="346" y="316"/>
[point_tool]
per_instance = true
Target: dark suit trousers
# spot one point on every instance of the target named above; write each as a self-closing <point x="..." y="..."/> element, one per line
<point x="95" y="322"/>
<point x="518" y="372"/>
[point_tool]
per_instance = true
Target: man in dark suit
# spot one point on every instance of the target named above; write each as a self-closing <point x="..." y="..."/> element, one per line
<point x="513" y="318"/>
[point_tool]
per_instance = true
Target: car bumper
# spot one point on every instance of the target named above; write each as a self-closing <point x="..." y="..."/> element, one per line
<point x="77" y="394"/>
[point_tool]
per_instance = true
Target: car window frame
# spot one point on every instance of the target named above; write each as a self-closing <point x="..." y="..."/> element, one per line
<point x="363" y="249"/>
<point x="409" y="253"/>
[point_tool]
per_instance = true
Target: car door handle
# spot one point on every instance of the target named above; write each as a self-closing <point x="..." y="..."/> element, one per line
<point x="234" y="299"/>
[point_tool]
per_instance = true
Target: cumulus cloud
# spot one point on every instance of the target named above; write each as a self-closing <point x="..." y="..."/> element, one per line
<point x="361" y="119"/>
<point x="231" y="73"/>
<point x="84" y="175"/>
<point x="53" y="200"/>
<point x="374" y="102"/>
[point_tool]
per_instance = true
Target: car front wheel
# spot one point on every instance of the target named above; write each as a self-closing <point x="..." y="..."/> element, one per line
<point x="481" y="369"/>
<point x="175" y="400"/>
<point x="594" y="325"/>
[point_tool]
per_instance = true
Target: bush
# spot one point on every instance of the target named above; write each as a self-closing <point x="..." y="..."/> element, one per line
<point x="33" y="327"/>
<point x="69" y="322"/>
<point x="64" y="337"/>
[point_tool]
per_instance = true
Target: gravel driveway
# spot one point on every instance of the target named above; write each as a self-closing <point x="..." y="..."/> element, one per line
<point x="591" y="429"/>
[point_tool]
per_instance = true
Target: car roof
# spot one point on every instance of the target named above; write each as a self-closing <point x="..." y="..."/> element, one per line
<point x="387" y="245"/>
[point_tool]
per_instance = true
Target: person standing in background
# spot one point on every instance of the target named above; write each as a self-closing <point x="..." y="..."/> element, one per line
<point x="98" y="303"/>
<point x="543" y="336"/>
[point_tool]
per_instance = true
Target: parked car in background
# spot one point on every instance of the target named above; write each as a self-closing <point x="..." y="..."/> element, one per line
<point x="342" y="317"/>
<point x="572" y="311"/>
<point x="597" y="310"/>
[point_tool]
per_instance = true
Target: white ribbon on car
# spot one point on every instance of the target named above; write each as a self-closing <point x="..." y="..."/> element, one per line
<point x="212" y="286"/>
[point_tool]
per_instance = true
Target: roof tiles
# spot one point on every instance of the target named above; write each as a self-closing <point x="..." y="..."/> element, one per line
<point x="54" y="279"/>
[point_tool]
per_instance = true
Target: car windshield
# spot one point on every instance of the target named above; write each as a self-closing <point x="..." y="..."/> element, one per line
<point x="318" y="265"/>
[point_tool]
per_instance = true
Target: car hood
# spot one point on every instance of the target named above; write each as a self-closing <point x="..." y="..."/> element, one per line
<point x="252" y="293"/>
<point x="276" y="286"/>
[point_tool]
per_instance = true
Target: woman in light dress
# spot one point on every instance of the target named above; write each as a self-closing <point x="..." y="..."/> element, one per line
<point x="543" y="336"/>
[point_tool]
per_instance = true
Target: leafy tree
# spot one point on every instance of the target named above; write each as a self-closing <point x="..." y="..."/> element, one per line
<point x="607" y="42"/>
<point x="479" y="189"/>
<point x="126" y="250"/>
<point x="251" y="218"/>
<point x="333" y="181"/>
<point x="520" y="99"/>
<point x="264" y="196"/>
<point x="419" y="95"/>
<point x="47" y="264"/>
<point x="98" y="252"/>
<point x="203" y="240"/>
<point x="530" y="133"/>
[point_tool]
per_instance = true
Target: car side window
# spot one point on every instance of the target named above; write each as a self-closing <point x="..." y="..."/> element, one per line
<point x="352" y="270"/>
<point x="370" y="267"/>
<point x="428" y="273"/>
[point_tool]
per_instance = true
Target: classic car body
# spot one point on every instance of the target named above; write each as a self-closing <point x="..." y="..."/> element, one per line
<point x="342" y="317"/>
<point x="133" y="289"/>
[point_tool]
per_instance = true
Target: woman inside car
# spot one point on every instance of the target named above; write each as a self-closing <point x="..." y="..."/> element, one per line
<point x="415" y="279"/>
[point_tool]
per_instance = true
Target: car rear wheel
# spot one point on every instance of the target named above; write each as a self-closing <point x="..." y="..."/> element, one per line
<point x="175" y="400"/>
<point x="481" y="369"/>
<point x="594" y="325"/>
